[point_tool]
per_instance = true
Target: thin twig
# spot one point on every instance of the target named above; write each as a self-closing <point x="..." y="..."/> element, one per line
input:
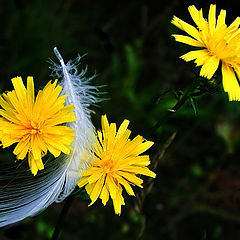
<point x="149" y="184"/>
<point x="62" y="216"/>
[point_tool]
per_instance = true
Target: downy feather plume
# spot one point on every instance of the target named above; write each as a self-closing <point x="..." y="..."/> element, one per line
<point x="21" y="193"/>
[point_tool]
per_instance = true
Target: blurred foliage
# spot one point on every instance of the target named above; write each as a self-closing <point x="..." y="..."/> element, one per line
<point x="128" y="43"/>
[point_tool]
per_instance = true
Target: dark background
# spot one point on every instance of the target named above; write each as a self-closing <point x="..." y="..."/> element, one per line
<point x="196" y="194"/>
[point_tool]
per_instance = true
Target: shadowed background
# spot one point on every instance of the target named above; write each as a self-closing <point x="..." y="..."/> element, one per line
<point x="129" y="45"/>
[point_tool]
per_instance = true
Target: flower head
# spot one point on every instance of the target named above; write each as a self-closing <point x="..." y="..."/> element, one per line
<point x="116" y="164"/>
<point x="217" y="43"/>
<point x="35" y="124"/>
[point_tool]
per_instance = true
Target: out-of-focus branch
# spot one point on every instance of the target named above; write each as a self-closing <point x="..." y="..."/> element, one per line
<point x="149" y="183"/>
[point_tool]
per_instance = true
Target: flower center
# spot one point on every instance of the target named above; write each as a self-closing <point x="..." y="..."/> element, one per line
<point x="34" y="129"/>
<point x="107" y="163"/>
<point x="224" y="44"/>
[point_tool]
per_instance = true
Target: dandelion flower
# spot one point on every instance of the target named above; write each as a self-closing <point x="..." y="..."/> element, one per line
<point x="116" y="164"/>
<point x="218" y="43"/>
<point x="35" y="124"/>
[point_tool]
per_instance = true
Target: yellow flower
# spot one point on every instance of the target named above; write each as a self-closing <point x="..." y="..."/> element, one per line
<point x="217" y="43"/>
<point x="35" y="123"/>
<point x="116" y="164"/>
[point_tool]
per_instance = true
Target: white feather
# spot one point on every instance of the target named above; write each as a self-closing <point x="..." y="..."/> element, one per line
<point x="21" y="193"/>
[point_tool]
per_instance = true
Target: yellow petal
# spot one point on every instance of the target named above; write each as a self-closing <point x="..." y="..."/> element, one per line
<point x="195" y="15"/>
<point x="187" y="40"/>
<point x="230" y="83"/>
<point x="82" y="182"/>
<point x="105" y="124"/>
<point x="104" y="195"/>
<point x="142" y="147"/>
<point x="118" y="201"/>
<point x="95" y="177"/>
<point x="122" y="128"/>
<point x="235" y="23"/>
<point x="221" y="19"/>
<point x="30" y="90"/>
<point x="140" y="170"/>
<point x="96" y="190"/>
<point x="194" y="55"/>
<point x="212" y="18"/>
<point x="111" y="186"/>
<point x="21" y="149"/>
<point x="32" y="165"/>
<point x="131" y="178"/>
<point x="126" y="185"/>
<point x="209" y="67"/>
<point x="19" y="89"/>
<point x="192" y="31"/>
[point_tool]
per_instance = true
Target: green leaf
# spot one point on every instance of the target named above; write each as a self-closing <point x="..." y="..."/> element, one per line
<point x="194" y="105"/>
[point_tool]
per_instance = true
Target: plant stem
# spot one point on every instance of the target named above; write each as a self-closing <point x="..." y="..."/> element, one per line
<point x="178" y="105"/>
<point x="62" y="216"/>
